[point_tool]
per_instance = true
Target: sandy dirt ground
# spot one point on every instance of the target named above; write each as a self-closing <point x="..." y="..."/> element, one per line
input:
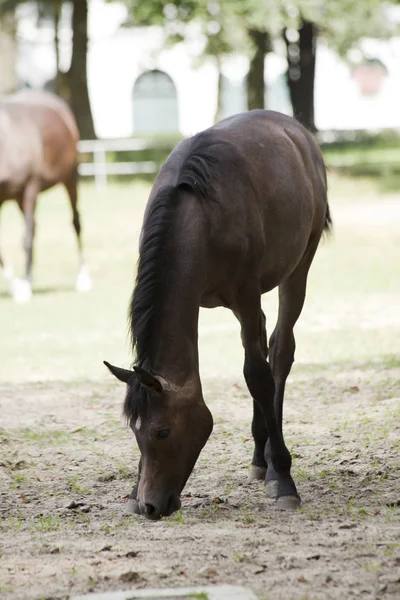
<point x="68" y="462"/>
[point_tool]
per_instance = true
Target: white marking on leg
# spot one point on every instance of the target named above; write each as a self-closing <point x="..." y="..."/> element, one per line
<point x="83" y="282"/>
<point x="21" y="290"/>
<point x="138" y="424"/>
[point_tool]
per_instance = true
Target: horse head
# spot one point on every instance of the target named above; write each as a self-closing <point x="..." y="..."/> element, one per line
<point x="171" y="425"/>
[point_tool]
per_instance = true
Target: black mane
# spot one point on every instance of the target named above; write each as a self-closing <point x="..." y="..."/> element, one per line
<point x="197" y="174"/>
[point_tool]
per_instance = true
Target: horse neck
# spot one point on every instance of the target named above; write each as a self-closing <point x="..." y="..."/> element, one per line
<point x="174" y="348"/>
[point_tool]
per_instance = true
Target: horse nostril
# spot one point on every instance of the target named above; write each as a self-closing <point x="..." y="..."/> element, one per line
<point x="150" y="510"/>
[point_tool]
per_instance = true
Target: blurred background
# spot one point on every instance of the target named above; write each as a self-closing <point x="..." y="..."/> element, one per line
<point x="148" y="68"/>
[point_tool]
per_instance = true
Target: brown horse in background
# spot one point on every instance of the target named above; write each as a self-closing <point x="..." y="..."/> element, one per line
<point x="236" y="211"/>
<point x="38" y="149"/>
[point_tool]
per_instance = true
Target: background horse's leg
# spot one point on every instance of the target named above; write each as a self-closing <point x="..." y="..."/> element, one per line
<point x="22" y="288"/>
<point x="83" y="282"/>
<point x="259" y="430"/>
<point x="7" y="272"/>
<point x="259" y="379"/>
<point x="282" y="346"/>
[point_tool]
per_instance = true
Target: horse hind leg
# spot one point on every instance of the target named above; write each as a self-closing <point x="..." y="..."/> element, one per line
<point x="22" y="288"/>
<point x="281" y="351"/>
<point x="83" y="282"/>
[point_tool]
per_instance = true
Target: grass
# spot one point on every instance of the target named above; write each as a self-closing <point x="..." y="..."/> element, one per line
<point x="66" y="335"/>
<point x="44" y="524"/>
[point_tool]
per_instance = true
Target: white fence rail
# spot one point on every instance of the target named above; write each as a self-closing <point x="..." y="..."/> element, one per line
<point x="100" y="169"/>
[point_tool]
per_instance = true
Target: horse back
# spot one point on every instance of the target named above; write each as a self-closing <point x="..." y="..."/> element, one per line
<point x="264" y="199"/>
<point x="39" y="140"/>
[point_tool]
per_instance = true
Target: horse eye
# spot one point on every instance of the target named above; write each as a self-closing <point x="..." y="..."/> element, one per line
<point x="162" y="433"/>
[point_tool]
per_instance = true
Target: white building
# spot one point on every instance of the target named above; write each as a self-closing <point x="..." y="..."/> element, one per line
<point x="118" y="56"/>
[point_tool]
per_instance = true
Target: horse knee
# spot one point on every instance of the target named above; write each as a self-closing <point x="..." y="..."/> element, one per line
<point x="281" y="353"/>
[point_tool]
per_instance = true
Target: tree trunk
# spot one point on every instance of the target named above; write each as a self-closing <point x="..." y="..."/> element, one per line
<point x="301" y="56"/>
<point x="217" y="116"/>
<point x="255" y="77"/>
<point x="56" y="17"/>
<point x="8" y="53"/>
<point x="77" y="74"/>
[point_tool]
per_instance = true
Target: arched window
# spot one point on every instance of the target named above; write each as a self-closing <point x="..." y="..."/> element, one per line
<point x="155" y="104"/>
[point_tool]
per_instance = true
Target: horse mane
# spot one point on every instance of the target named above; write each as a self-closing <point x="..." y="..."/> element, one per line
<point x="198" y="175"/>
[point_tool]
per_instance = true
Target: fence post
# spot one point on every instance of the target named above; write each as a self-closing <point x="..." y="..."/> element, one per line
<point x="100" y="170"/>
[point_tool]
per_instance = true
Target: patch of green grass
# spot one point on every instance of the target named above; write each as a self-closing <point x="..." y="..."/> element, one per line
<point x="15" y="523"/>
<point x="246" y="515"/>
<point x="123" y="470"/>
<point x="239" y="558"/>
<point x="77" y="487"/>
<point x="176" y="518"/>
<point x="44" y="437"/>
<point x="44" y="524"/>
<point x="372" y="567"/>
<point x="20" y="478"/>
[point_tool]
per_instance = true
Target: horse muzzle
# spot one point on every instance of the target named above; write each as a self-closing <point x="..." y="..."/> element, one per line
<point x="154" y="509"/>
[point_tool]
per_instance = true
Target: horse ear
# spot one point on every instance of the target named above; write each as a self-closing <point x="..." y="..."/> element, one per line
<point x="148" y="380"/>
<point x="123" y="375"/>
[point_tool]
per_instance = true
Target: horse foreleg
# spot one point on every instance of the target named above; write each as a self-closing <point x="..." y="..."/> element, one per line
<point x="7" y="272"/>
<point x="132" y="506"/>
<point x="259" y="380"/>
<point x="259" y="430"/>
<point x="83" y="282"/>
<point x="22" y="288"/>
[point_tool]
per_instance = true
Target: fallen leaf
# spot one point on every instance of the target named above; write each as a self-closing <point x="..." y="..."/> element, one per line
<point x="129" y="576"/>
<point x="218" y="501"/>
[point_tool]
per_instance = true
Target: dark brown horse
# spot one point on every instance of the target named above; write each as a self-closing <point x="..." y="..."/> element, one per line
<point x="38" y="149"/>
<point x="236" y="211"/>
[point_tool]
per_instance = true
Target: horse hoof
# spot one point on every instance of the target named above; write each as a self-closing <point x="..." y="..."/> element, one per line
<point x="21" y="290"/>
<point x="256" y="474"/>
<point x="288" y="502"/>
<point x="132" y="507"/>
<point x="83" y="282"/>
<point x="271" y="488"/>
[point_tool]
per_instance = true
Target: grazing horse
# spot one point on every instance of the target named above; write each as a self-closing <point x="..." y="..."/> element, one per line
<point x="38" y="149"/>
<point x="236" y="211"/>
